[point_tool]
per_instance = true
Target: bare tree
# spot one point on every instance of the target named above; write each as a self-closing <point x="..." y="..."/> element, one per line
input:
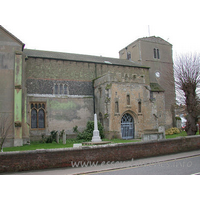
<point x="187" y="83"/>
<point x="5" y="125"/>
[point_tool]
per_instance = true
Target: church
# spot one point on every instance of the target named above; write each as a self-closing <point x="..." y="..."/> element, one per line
<point x="41" y="91"/>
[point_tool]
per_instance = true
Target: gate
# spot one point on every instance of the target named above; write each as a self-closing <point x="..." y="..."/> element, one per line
<point x="127" y="126"/>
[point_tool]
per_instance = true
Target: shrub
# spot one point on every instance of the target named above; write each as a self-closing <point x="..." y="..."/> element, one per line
<point x="75" y="129"/>
<point x="87" y="134"/>
<point x="172" y="131"/>
<point x="51" y="138"/>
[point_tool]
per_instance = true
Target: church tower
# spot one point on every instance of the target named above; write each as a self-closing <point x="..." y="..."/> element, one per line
<point x="155" y="53"/>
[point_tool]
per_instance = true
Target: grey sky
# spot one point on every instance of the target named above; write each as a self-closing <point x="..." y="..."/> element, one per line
<point x="103" y="27"/>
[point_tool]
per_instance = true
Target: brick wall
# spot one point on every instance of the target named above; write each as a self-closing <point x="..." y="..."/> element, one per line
<point x="53" y="158"/>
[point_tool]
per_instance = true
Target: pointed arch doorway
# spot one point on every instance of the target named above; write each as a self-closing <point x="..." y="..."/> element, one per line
<point x="127" y="126"/>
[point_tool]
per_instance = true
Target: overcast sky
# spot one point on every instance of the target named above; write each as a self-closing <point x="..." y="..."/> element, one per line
<point x="101" y="27"/>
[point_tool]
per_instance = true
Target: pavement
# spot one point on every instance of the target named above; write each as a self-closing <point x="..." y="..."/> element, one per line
<point x="85" y="168"/>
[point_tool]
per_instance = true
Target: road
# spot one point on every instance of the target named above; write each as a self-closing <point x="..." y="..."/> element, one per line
<point x="183" y="166"/>
<point x="180" y="163"/>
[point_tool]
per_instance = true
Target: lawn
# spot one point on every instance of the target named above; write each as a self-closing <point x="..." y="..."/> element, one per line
<point x="181" y="134"/>
<point x="70" y="142"/>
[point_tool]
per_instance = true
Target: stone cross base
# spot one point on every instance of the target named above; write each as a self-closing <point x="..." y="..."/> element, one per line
<point x="96" y="137"/>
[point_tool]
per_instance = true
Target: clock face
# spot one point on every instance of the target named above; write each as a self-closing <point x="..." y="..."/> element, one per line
<point x="157" y="74"/>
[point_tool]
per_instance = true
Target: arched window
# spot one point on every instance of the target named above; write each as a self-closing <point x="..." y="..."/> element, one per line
<point x="38" y="115"/>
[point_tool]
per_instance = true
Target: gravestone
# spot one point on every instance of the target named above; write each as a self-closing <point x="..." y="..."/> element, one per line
<point x="64" y="138"/>
<point x="57" y="137"/>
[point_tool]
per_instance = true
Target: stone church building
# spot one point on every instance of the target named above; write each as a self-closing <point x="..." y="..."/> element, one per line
<point x="42" y="91"/>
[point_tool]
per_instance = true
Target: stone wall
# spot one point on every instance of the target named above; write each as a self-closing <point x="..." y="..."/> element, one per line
<point x="54" y="158"/>
<point x="111" y="88"/>
<point x="62" y="113"/>
<point x="12" y="89"/>
<point x="142" y="51"/>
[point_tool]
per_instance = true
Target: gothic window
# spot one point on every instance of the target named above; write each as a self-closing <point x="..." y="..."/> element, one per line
<point x="116" y="107"/>
<point x="33" y="118"/>
<point x="37" y="115"/>
<point x="128" y="99"/>
<point x="41" y="119"/>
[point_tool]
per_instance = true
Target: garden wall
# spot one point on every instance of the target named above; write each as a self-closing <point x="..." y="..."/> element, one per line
<point x="54" y="158"/>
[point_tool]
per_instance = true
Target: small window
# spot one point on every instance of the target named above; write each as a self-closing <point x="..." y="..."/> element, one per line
<point x="156" y="53"/>
<point x="129" y="55"/>
<point x="116" y="107"/>
<point x="128" y="99"/>
<point x="65" y="89"/>
<point x="56" y="89"/>
<point x="61" y="88"/>
<point x="139" y="107"/>
<point x="37" y="115"/>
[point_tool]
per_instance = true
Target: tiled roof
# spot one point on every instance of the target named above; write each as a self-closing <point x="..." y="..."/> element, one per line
<point x="80" y="58"/>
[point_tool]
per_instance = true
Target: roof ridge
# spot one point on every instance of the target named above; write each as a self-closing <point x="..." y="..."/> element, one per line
<point x="80" y="57"/>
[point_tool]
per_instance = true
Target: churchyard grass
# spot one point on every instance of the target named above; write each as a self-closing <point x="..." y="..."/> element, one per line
<point x="181" y="134"/>
<point x="70" y="142"/>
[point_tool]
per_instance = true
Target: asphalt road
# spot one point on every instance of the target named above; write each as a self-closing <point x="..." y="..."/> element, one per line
<point x="184" y="166"/>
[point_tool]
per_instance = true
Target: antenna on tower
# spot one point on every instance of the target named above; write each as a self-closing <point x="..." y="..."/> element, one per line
<point x="149" y="30"/>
